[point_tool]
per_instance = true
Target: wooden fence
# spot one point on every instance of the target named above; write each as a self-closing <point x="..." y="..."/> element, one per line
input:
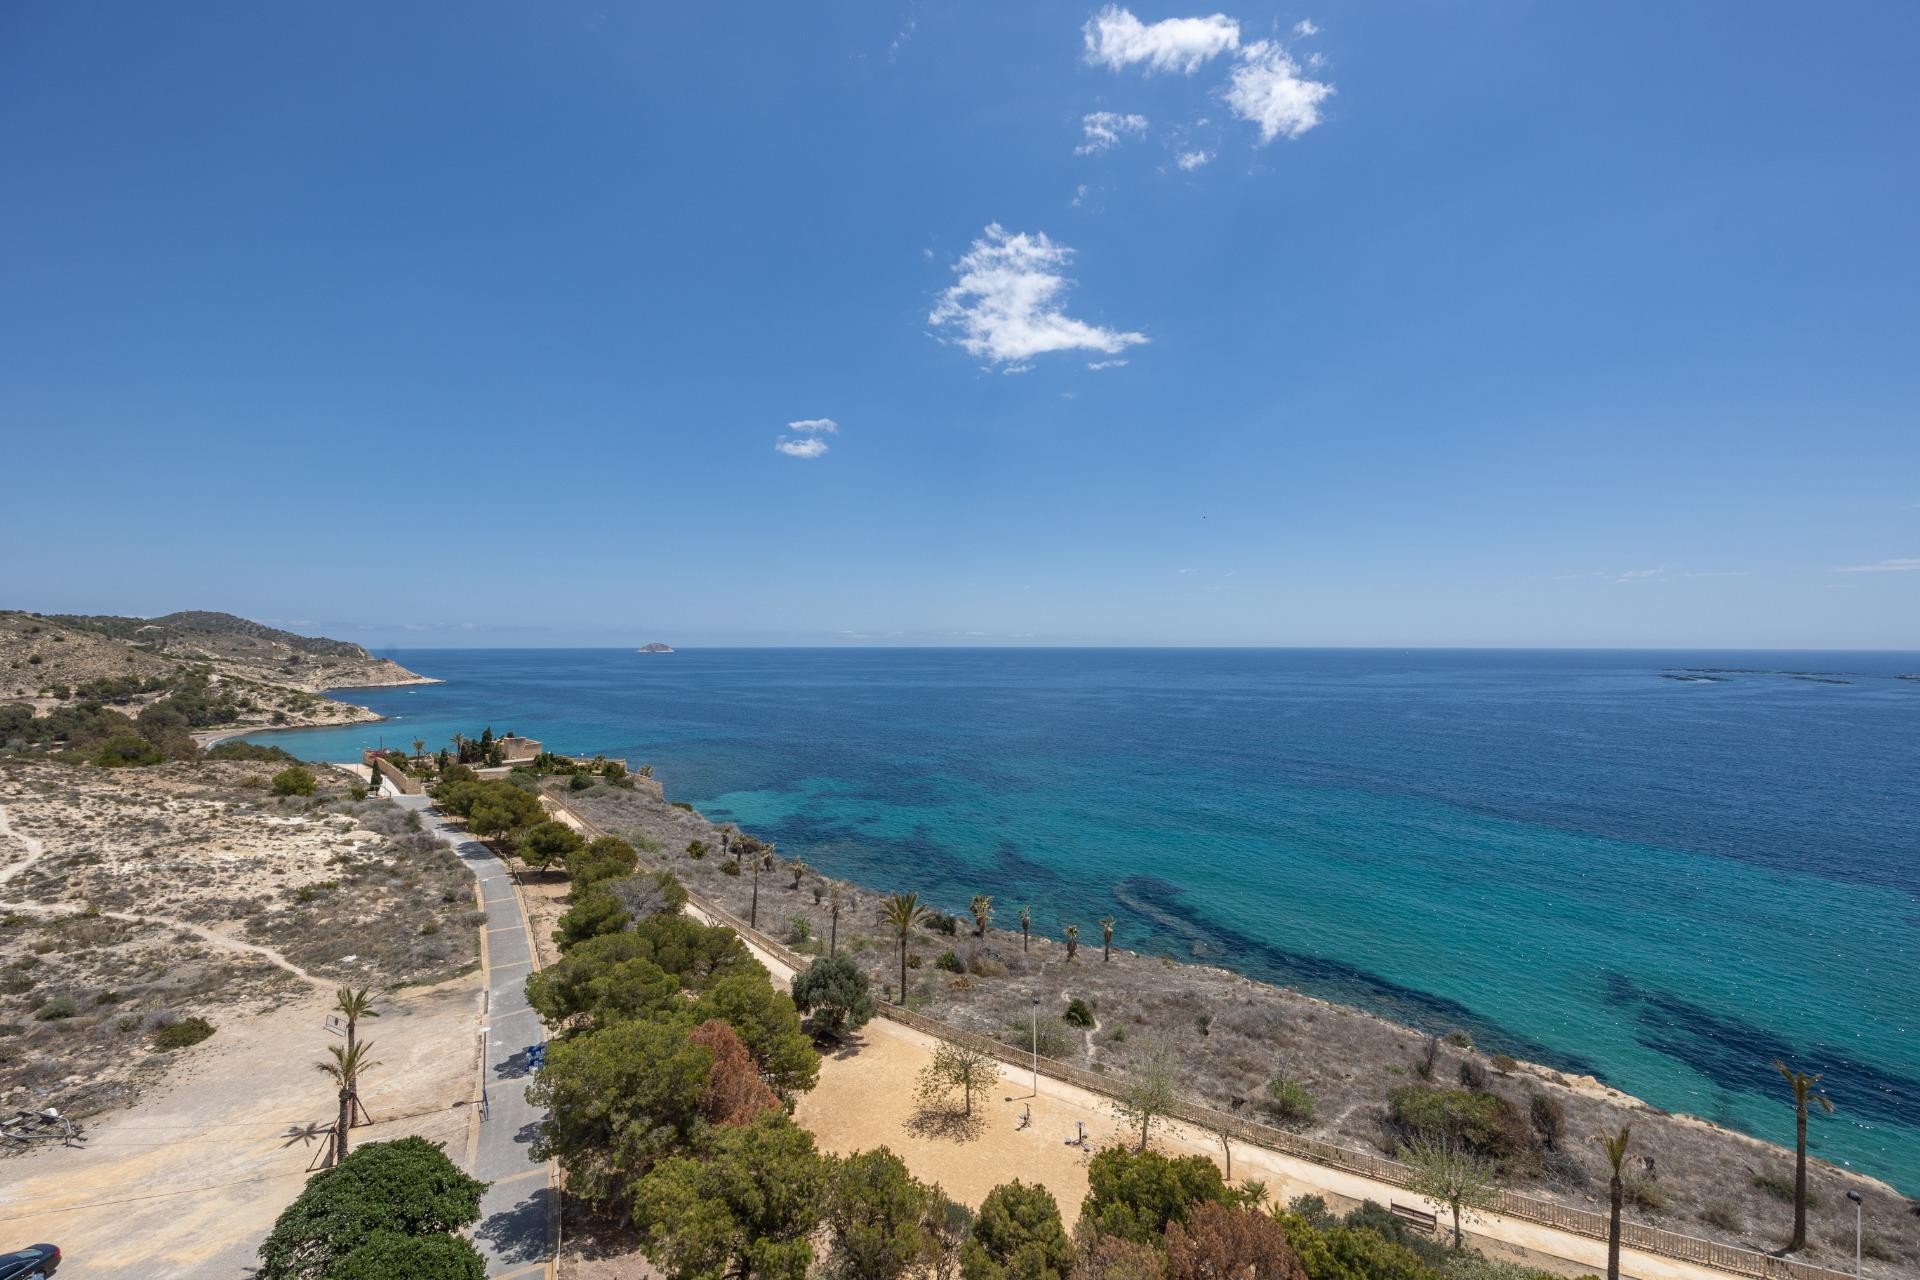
<point x="1512" y="1204"/>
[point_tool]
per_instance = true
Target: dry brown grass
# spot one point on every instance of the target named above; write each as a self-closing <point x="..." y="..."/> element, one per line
<point x="345" y="891"/>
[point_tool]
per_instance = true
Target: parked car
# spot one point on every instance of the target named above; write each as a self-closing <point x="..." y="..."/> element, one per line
<point x="36" y="1262"/>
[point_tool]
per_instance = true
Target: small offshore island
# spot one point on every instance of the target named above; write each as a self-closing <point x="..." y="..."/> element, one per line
<point x="655" y="647"/>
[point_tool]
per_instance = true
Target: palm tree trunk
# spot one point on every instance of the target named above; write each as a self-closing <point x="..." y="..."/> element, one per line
<point x="341" y="1126"/>
<point x="833" y="935"/>
<point x="1617" y="1194"/>
<point x="1799" y="1240"/>
<point x="902" y="1002"/>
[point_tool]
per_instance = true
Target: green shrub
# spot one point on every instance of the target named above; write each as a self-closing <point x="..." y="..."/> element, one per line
<point x="950" y="962"/>
<point x="127" y="750"/>
<point x="580" y="782"/>
<point x="1079" y="1013"/>
<point x="1645" y="1192"/>
<point x="1020" y="1033"/>
<point x="57" y="1008"/>
<point x="941" y="922"/>
<point x="293" y="781"/>
<point x="729" y="868"/>
<point x="799" y="929"/>
<point x="1505" y="1065"/>
<point x="1289" y="1100"/>
<point x="696" y="849"/>
<point x="1483" y="1123"/>
<point x="179" y="1035"/>
<point x="251" y="751"/>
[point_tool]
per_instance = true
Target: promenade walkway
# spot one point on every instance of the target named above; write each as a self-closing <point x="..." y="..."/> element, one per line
<point x="518" y="1213"/>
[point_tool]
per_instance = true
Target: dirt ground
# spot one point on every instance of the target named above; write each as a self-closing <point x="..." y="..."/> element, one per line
<point x="189" y="1181"/>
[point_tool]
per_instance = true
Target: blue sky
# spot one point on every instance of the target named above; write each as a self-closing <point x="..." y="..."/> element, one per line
<point x="1419" y="324"/>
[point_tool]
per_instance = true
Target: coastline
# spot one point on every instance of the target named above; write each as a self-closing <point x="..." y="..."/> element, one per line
<point x="207" y="738"/>
<point x="1250" y="1031"/>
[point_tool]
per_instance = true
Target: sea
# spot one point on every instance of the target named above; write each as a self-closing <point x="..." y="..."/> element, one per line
<point x="1664" y="869"/>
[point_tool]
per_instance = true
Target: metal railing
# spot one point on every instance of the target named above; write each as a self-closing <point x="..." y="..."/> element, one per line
<point x="1513" y="1204"/>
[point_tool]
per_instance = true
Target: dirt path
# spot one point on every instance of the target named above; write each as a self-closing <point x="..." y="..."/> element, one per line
<point x="36" y="849"/>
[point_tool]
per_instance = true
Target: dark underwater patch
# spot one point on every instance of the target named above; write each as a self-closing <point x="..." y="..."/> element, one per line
<point x="1739" y="1055"/>
<point x="1160" y="901"/>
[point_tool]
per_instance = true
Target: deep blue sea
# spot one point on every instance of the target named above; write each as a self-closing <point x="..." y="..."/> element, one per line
<point x="1578" y="859"/>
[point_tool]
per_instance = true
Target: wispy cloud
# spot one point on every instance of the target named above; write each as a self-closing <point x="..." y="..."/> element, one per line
<point x="1267" y="89"/>
<point x="1304" y="28"/>
<point x="1640" y="575"/>
<point x="1008" y="304"/>
<point x="1882" y="566"/>
<point x="1105" y="130"/>
<point x="1191" y="160"/>
<point x="1097" y="365"/>
<point x="815" y="425"/>
<point x="806" y="447"/>
<point x="1118" y="40"/>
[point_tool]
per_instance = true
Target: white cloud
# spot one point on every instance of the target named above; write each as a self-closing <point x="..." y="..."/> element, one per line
<point x="827" y="425"/>
<point x="1882" y="566"/>
<point x="1007" y="305"/>
<point x="1268" y="90"/>
<point x="1079" y="194"/>
<point x="810" y="447"/>
<point x="1640" y="575"/>
<point x="1191" y="160"/>
<point x="1305" y="28"/>
<point x="1117" y="39"/>
<point x="1104" y="130"/>
<point x="1097" y="365"/>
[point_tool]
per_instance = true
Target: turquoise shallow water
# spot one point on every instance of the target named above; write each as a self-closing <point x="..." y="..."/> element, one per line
<point x="1666" y="882"/>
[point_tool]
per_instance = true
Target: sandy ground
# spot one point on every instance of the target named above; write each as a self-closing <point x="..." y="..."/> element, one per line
<point x="190" y="1182"/>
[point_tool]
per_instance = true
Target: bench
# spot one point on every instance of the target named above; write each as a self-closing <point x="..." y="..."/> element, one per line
<point x="1413" y="1217"/>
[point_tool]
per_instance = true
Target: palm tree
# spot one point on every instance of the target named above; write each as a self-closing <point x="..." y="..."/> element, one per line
<point x="834" y="903"/>
<point x="419" y="747"/>
<point x="345" y="1071"/>
<point x="1073" y="940"/>
<point x="1616" y="1145"/>
<point x="1026" y="927"/>
<point x="901" y="912"/>
<point x="726" y="840"/>
<point x="763" y="862"/>
<point x="1106" y="940"/>
<point x="982" y="909"/>
<point x="1803" y="1093"/>
<point x="799" y="870"/>
<point x="353" y="1006"/>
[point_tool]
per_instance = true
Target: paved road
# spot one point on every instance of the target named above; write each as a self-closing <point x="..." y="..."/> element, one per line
<point x="514" y="1215"/>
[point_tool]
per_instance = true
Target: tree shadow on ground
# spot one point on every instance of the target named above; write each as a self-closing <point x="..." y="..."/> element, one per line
<point x="518" y="1234"/>
<point x="950" y="1123"/>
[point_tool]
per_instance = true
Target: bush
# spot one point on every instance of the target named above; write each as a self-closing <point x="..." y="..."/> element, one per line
<point x="1549" y="1117"/>
<point x="1017" y="1236"/>
<point x="836" y="988"/>
<point x="251" y="751"/>
<point x="57" y="1008"/>
<point x="1137" y="1195"/>
<point x="1721" y="1214"/>
<point x="950" y="962"/>
<point x="696" y="849"/>
<point x="127" y="750"/>
<point x="1473" y="1075"/>
<point x="181" y="1034"/>
<point x="294" y="781"/>
<point x="1079" y="1013"/>
<point x="1484" y="1124"/>
<point x="1289" y="1100"/>
<point x="729" y="868"/>
<point x="1644" y="1192"/>
<point x="546" y="843"/>
<point x="1505" y="1065"/>
<point x="580" y="782"/>
<point x="387" y="1255"/>
<point x="1020" y="1033"/>
<point x="799" y="929"/>
<point x="406" y="1188"/>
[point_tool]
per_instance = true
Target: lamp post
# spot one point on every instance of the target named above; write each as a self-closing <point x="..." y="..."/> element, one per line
<point x="1036" y="1046"/>
<point x="1859" y="1207"/>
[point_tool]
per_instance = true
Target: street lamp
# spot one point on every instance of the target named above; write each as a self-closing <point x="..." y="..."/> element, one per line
<point x="1036" y="1046"/>
<point x="1859" y="1206"/>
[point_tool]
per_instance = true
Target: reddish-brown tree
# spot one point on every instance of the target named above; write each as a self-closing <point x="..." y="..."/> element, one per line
<point x="1221" y="1243"/>
<point x="735" y="1092"/>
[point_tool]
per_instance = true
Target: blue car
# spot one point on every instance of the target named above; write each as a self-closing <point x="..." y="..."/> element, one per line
<point x="36" y="1262"/>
